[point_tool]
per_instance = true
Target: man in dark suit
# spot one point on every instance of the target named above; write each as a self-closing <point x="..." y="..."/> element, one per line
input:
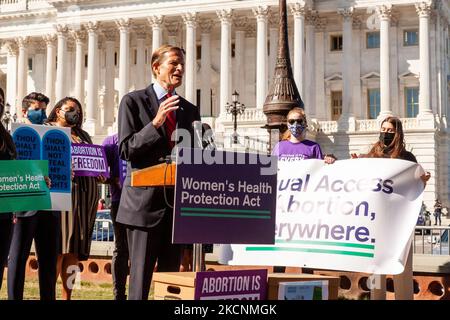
<point x="147" y="119"/>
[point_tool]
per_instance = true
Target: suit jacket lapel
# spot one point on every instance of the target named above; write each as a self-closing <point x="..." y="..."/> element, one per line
<point x="154" y="105"/>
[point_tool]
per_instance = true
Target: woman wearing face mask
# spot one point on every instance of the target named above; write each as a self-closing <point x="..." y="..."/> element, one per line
<point x="391" y="144"/>
<point x="76" y="226"/>
<point x="7" y="152"/>
<point x="293" y="145"/>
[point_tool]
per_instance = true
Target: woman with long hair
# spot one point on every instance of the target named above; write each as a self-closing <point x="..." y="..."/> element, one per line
<point x="7" y="152"/>
<point x="76" y="225"/>
<point x="391" y="144"/>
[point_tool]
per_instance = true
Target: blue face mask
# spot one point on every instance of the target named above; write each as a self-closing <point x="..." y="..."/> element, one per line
<point x="35" y="116"/>
<point x="44" y="115"/>
<point x="296" y="129"/>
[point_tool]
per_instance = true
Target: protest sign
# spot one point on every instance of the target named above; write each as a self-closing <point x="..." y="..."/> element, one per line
<point x="22" y="185"/>
<point x="355" y="215"/>
<point x="231" y="285"/>
<point x="36" y="142"/>
<point x="89" y="160"/>
<point x="224" y="202"/>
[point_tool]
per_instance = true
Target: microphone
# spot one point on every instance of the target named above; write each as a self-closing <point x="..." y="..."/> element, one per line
<point x="197" y="125"/>
<point x="208" y="137"/>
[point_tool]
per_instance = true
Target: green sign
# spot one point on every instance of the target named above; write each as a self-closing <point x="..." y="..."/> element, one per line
<point x="22" y="185"/>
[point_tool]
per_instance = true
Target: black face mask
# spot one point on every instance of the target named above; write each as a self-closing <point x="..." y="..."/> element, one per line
<point x="387" y="137"/>
<point x="71" y="117"/>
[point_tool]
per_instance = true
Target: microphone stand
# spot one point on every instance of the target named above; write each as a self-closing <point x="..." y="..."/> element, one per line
<point x="197" y="253"/>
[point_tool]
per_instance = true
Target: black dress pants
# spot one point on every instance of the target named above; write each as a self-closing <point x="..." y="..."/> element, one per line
<point x="44" y="227"/>
<point x="6" y="228"/>
<point x="146" y="247"/>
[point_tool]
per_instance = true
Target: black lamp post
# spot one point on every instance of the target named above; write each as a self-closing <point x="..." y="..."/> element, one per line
<point x="236" y="108"/>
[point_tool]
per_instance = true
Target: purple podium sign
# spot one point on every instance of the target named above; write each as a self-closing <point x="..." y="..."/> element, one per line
<point x="224" y="197"/>
<point x="231" y="285"/>
<point x="89" y="160"/>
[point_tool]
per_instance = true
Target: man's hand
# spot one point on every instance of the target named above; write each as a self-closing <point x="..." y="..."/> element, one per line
<point x="167" y="106"/>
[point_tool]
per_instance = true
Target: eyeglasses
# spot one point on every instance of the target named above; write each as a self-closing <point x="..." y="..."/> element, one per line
<point x="299" y="121"/>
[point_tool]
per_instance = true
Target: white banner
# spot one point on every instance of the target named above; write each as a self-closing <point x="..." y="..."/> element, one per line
<point x="354" y="215"/>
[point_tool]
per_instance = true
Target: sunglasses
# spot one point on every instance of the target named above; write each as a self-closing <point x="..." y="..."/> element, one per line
<point x="294" y="121"/>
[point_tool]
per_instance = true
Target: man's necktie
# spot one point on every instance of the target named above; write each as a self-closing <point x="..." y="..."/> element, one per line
<point x="171" y="124"/>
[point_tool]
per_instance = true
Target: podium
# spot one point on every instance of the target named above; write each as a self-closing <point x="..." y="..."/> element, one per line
<point x="163" y="175"/>
<point x="159" y="175"/>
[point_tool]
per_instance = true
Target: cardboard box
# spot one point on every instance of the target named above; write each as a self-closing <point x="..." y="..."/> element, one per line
<point x="303" y="290"/>
<point x="275" y="278"/>
<point x="211" y="285"/>
<point x="174" y="285"/>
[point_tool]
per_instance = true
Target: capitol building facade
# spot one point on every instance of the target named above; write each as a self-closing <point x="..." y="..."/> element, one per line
<point x="354" y="63"/>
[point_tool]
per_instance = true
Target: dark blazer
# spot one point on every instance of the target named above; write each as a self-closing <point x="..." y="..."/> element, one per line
<point x="142" y="146"/>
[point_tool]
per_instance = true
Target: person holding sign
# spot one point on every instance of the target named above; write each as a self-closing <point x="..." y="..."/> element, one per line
<point x="41" y="226"/>
<point x="119" y="263"/>
<point x="294" y="146"/>
<point x="7" y="152"/>
<point x="147" y="119"/>
<point x="391" y="144"/>
<point x="76" y="226"/>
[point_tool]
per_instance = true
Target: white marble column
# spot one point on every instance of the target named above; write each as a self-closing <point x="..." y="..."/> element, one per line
<point x="357" y="111"/>
<point x="11" y="78"/>
<point x="347" y="15"/>
<point x="92" y="78"/>
<point x="225" y="17"/>
<point x="62" y="32"/>
<point x="423" y="10"/>
<point x="22" y="70"/>
<point x="250" y="63"/>
<point x="310" y="68"/>
<point x="140" y="59"/>
<point x="240" y="24"/>
<point x="124" y="63"/>
<point x="205" y="93"/>
<point x="50" y="68"/>
<point x="80" y="38"/>
<point x="274" y="22"/>
<point x="322" y="109"/>
<point x="108" y="101"/>
<point x="39" y="65"/>
<point x="261" y="13"/>
<point x="155" y="23"/>
<point x="298" y="10"/>
<point x="396" y="108"/>
<point x="384" y="13"/>
<point x="173" y="30"/>
<point x="70" y="68"/>
<point x="190" y="20"/>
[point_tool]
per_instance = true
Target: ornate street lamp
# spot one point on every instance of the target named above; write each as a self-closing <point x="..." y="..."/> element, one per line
<point x="236" y="108"/>
<point x="283" y="94"/>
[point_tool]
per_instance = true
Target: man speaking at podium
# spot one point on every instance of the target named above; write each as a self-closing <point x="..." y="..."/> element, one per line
<point x="147" y="119"/>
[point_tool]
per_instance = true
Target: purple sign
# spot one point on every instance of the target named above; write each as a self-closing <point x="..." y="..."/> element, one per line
<point x="122" y="171"/>
<point x="231" y="285"/>
<point x="89" y="160"/>
<point x="226" y="198"/>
